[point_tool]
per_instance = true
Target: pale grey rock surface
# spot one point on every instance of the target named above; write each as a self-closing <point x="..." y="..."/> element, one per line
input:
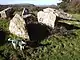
<point x="46" y="17"/>
<point x="6" y="13"/>
<point x="18" y="27"/>
<point x="49" y="15"/>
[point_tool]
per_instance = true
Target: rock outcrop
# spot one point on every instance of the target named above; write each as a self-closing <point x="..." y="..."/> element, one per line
<point x="18" y="27"/>
<point x="7" y="13"/>
<point x="47" y="18"/>
<point x="49" y="15"/>
<point x="59" y="13"/>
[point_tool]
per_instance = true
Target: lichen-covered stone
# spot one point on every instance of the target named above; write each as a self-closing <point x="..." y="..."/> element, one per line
<point x="47" y="18"/>
<point x="59" y="13"/>
<point x="7" y="13"/>
<point x="18" y="27"/>
<point x="25" y="13"/>
<point x="49" y="15"/>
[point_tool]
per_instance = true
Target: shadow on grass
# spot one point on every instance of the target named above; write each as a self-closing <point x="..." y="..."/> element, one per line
<point x="67" y="26"/>
<point x="2" y="37"/>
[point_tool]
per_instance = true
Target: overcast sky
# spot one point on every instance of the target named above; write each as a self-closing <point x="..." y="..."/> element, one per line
<point x="36" y="2"/>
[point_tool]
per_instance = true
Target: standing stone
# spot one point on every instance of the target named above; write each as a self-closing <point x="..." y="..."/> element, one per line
<point x="46" y="17"/>
<point x="18" y="27"/>
<point x="7" y="13"/>
<point x="59" y="13"/>
<point x="3" y="14"/>
<point x="25" y="13"/>
<point x="49" y="15"/>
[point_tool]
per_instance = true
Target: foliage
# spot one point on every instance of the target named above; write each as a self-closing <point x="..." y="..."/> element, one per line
<point x="72" y="6"/>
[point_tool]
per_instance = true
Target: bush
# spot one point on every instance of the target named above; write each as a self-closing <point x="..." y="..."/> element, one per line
<point x="72" y="6"/>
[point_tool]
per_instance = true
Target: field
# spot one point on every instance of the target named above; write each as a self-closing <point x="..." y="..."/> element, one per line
<point x="58" y="47"/>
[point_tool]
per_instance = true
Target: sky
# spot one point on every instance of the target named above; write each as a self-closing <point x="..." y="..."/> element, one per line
<point x="35" y="2"/>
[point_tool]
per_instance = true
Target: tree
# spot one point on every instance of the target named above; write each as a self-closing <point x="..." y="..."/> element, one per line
<point x="74" y="6"/>
<point x="63" y="5"/>
<point x="70" y="5"/>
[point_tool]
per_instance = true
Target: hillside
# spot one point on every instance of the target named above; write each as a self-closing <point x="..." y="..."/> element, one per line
<point x="31" y="7"/>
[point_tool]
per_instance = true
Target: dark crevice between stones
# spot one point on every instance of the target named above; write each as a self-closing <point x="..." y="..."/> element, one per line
<point x="0" y="15"/>
<point x="37" y="32"/>
<point x="10" y="13"/>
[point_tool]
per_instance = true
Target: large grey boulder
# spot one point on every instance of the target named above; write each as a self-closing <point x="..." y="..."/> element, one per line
<point x="47" y="18"/>
<point x="7" y="13"/>
<point x="18" y="27"/>
<point x="59" y="13"/>
<point x="49" y="15"/>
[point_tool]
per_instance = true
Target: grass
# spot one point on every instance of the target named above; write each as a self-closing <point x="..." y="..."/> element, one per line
<point x="56" y="48"/>
<point x="77" y="16"/>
